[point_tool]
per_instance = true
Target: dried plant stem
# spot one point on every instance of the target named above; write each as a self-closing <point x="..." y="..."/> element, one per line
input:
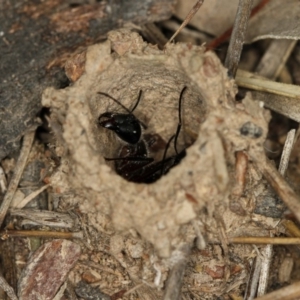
<point x="174" y="282"/>
<point x="43" y="234"/>
<point x="291" y="228"/>
<point x="31" y="196"/>
<point x="267" y="252"/>
<point x="286" y="153"/>
<point x="238" y="36"/>
<point x="21" y="163"/>
<point x="280" y="97"/>
<point x="275" y="57"/>
<point x="189" y="16"/>
<point x="259" y="83"/>
<point x="3" y="183"/>
<point x="253" y="279"/>
<point x="287" y="293"/>
<point x="281" y="187"/>
<point x="264" y="240"/>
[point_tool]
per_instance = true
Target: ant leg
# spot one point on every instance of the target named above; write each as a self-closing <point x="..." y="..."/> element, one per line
<point x="179" y="119"/>
<point x="115" y="100"/>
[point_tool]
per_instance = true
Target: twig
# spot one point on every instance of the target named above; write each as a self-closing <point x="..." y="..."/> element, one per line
<point x="275" y="57"/>
<point x="258" y="83"/>
<point x="238" y="36"/>
<point x="286" y="153"/>
<point x="267" y="251"/>
<point x="263" y="240"/>
<point x="253" y="279"/>
<point x="287" y="293"/>
<point x="3" y="183"/>
<point x="8" y="289"/>
<point x="31" y="196"/>
<point x="189" y="16"/>
<point x="174" y="282"/>
<point x="281" y="187"/>
<point x="21" y="163"/>
<point x="5" y="234"/>
<point x="43" y="217"/>
<point x="241" y="166"/>
<point x="291" y="228"/>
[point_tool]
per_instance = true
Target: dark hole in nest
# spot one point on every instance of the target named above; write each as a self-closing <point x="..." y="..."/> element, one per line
<point x="43" y="132"/>
<point x="279" y="127"/>
<point x="135" y="159"/>
<point x="46" y="135"/>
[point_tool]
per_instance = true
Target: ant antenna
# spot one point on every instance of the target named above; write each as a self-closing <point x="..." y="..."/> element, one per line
<point x="165" y="152"/>
<point x="138" y="101"/>
<point x="118" y="102"/>
<point x="179" y="120"/>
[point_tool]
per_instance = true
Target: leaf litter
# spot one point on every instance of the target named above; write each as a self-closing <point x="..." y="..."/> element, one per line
<point x="146" y="227"/>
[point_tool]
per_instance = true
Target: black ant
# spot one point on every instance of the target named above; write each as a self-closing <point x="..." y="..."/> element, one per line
<point x="134" y="163"/>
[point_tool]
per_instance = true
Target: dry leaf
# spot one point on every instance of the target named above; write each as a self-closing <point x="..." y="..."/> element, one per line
<point x="277" y="20"/>
<point x="214" y="16"/>
<point x="47" y="270"/>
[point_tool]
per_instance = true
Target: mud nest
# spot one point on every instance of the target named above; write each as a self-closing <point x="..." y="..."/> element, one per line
<point x="201" y="198"/>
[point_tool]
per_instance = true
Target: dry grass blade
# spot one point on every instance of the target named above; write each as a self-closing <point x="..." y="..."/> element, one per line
<point x="291" y="228"/>
<point x="280" y="97"/>
<point x="42" y="234"/>
<point x="263" y="240"/>
<point x="275" y="58"/>
<point x="267" y="253"/>
<point x="238" y="36"/>
<point x="253" y="279"/>
<point x="286" y="153"/>
<point x="27" y="143"/>
<point x="251" y="81"/>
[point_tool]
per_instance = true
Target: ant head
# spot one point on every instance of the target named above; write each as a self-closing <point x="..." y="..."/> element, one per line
<point x="126" y="126"/>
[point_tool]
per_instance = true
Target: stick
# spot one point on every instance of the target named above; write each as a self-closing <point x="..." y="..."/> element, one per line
<point x="174" y="282"/>
<point x="5" y="234"/>
<point x="238" y="36"/>
<point x="21" y="163"/>
<point x="281" y="187"/>
<point x="287" y="293"/>
<point x="8" y="289"/>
